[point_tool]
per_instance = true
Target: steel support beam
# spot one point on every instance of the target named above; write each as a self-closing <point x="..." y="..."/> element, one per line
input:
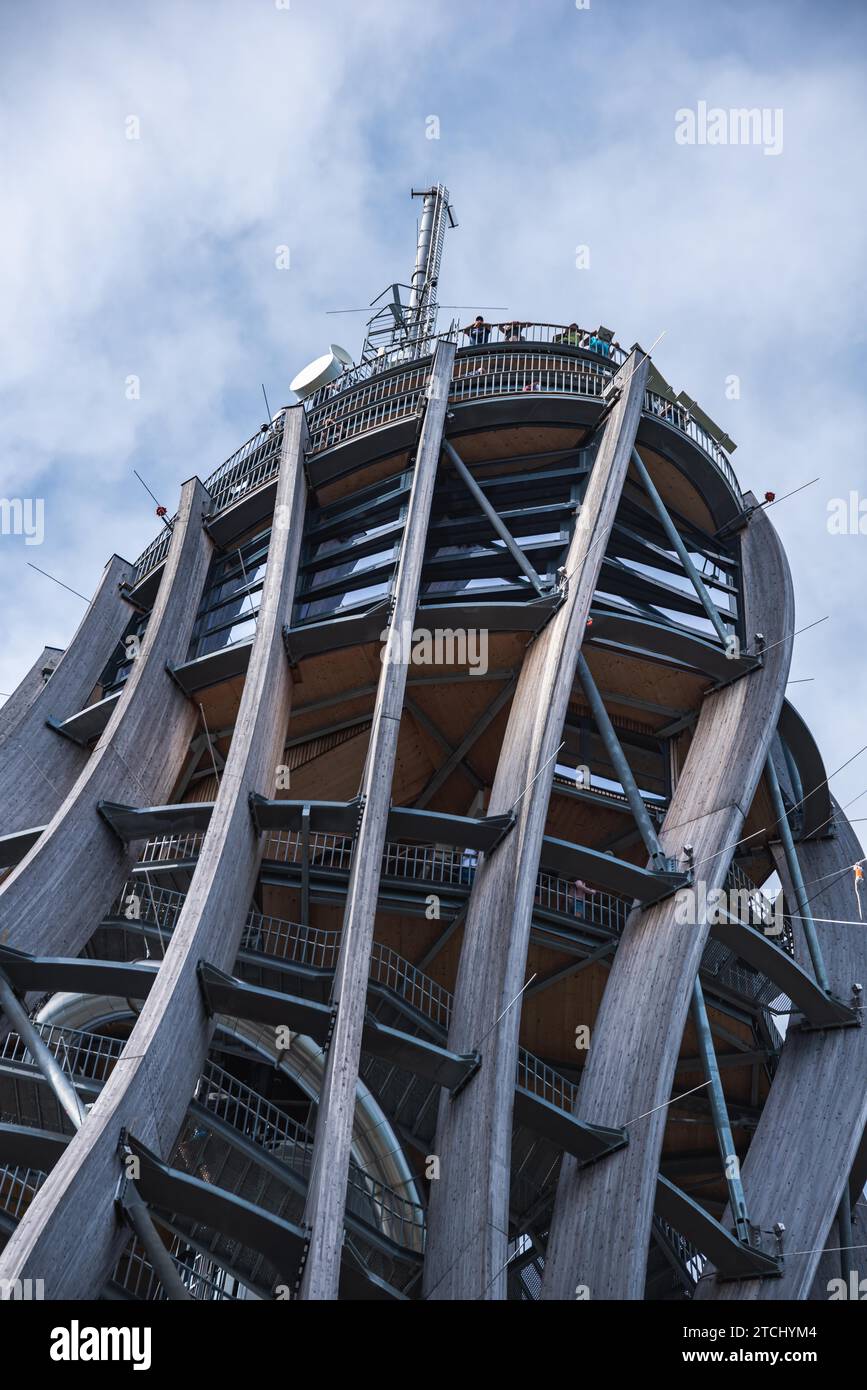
<point x="141" y="1222"/>
<point x="44" y="1058"/>
<point x="680" y="549"/>
<point x="621" y="766"/>
<point x="716" y="1094"/>
<point x="797" y="878"/>
<point x="468" y="1218"/>
<point x="326" y="1196"/>
<point x="453" y="758"/>
<point x="490" y="512"/>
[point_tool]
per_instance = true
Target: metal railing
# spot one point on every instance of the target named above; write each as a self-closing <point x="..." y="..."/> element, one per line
<point x="88" y="1056"/>
<point x="391" y="388"/>
<point x="689" y="1258"/>
<point x="154" y="555"/>
<point x="445" y="865"/>
<point x="18" y="1187"/>
<point x="366" y="407"/>
<point x="249" y="467"/>
<point x="680" y="418"/>
<point x="273" y="937"/>
<point x="133" y="1273"/>
<point x="252" y="465"/>
<point x="259" y="1120"/>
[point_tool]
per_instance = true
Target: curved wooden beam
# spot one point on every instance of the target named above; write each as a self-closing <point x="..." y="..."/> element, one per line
<point x="600" y="1232"/>
<point x="151" y="1084"/>
<point x="808" y="1137"/>
<point x="816" y="808"/>
<point x="37" y="768"/>
<point x="56" y="895"/>
<point x="469" y="1207"/>
<point x="16" y="705"/>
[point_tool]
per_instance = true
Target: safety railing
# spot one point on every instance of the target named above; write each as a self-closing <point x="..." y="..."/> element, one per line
<point x="391" y="388"/>
<point x="290" y="941"/>
<point x="135" y="1275"/>
<point x="446" y="865"/>
<point x="259" y="1120"/>
<point x="154" y="555"/>
<point x="757" y="909"/>
<point x="18" y="1187"/>
<point x="546" y="1083"/>
<point x="84" y="1055"/>
<point x="689" y="1259"/>
<point x="88" y="1056"/>
<point x="254" y="464"/>
<point x="367" y="407"/>
<point x="249" y="467"/>
<point x="515" y="372"/>
<point x="680" y="417"/>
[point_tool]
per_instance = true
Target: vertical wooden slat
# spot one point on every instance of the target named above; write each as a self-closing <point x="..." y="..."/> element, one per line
<point x="55" y="897"/>
<point x="326" y="1197"/>
<point x="37" y="765"/>
<point x="150" y="1087"/>
<point x="600" y="1232"/>
<point x="468" y="1217"/>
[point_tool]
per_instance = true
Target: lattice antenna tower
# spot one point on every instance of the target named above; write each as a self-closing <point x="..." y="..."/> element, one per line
<point x="399" y="328"/>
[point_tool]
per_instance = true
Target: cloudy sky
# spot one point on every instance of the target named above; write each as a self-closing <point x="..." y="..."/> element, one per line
<point x="304" y="124"/>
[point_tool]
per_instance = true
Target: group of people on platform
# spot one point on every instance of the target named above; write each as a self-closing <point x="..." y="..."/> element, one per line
<point x="479" y="333"/>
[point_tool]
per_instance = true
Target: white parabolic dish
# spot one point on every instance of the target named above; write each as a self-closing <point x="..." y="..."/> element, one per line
<point x="321" y="371"/>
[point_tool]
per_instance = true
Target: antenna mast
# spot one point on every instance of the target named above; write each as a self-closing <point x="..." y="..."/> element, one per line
<point x="402" y="331"/>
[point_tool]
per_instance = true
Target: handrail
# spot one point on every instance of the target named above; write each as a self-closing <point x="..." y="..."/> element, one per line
<point x="133" y="1272"/>
<point x="319" y="949"/>
<point x="85" y="1055"/>
<point x="378" y="392"/>
<point x="431" y="863"/>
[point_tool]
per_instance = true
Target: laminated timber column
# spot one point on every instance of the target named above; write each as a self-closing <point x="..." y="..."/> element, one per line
<point x="813" y="1122"/>
<point x="37" y="765"/>
<point x="600" y="1232"/>
<point x="70" y="1232"/>
<point x="52" y="901"/>
<point x="16" y="706"/>
<point x="326" y="1197"/>
<point x="468" y="1217"/>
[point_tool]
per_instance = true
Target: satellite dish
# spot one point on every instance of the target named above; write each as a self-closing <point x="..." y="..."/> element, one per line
<point x="321" y="371"/>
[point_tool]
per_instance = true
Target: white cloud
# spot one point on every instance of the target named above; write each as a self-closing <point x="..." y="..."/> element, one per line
<point x="261" y="127"/>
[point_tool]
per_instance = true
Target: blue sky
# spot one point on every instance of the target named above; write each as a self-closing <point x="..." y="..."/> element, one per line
<point x="306" y="126"/>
